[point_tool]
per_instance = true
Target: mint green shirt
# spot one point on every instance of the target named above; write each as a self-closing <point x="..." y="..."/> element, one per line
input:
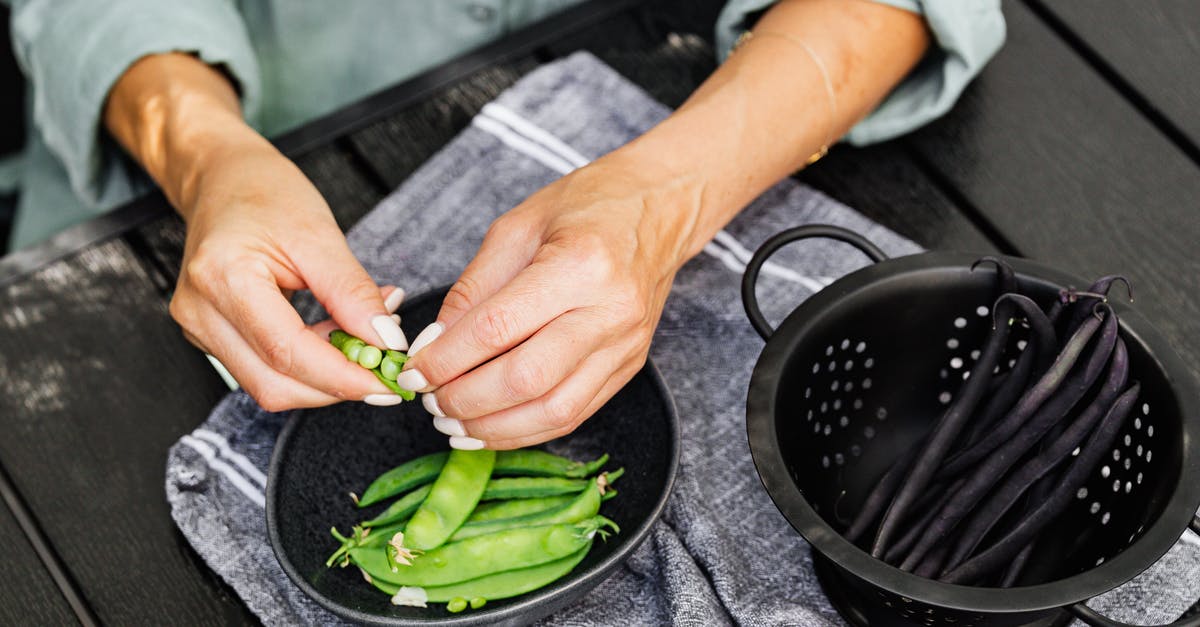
<point x="294" y="60"/>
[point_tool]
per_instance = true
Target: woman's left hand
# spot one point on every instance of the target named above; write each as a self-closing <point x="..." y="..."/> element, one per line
<point x="556" y="311"/>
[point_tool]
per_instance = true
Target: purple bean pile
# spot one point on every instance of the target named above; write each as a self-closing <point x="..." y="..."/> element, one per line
<point x="1022" y="441"/>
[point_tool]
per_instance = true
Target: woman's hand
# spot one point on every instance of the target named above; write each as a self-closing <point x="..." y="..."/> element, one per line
<point x="257" y="229"/>
<point x="556" y="311"/>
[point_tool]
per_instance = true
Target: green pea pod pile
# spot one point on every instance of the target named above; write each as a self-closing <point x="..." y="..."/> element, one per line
<point x="474" y="526"/>
<point x="385" y="365"/>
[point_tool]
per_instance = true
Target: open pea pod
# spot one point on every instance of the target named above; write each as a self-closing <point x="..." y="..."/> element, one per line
<point x="583" y="506"/>
<point x="513" y="508"/>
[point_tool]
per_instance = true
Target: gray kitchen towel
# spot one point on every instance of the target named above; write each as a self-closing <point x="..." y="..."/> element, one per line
<point x="722" y="553"/>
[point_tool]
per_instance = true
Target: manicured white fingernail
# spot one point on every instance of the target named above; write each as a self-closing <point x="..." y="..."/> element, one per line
<point x="465" y="443"/>
<point x="450" y="426"/>
<point x="389" y="331"/>
<point x="393" y="300"/>
<point x="396" y="317"/>
<point x="431" y="406"/>
<point x="412" y="380"/>
<point x="430" y="334"/>
<point x="382" y="400"/>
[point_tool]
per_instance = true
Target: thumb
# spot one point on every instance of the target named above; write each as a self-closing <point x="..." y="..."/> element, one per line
<point x="353" y="300"/>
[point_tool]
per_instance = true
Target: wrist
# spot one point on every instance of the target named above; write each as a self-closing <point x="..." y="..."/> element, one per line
<point x="176" y="115"/>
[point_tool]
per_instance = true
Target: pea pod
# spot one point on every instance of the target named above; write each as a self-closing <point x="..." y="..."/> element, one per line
<point x="582" y="507"/>
<point x="513" y="508"/>
<point x="536" y="487"/>
<point x="402" y="509"/>
<point x="452" y="498"/>
<point x="404" y="477"/>
<point x="527" y="463"/>
<point x="501" y="585"/>
<point x="535" y="463"/>
<point x="482" y="555"/>
<point x="372" y="359"/>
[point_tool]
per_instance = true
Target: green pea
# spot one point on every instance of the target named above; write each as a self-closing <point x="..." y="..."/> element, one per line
<point x="482" y="555"/>
<point x="456" y="605"/>
<point x="369" y="357"/>
<point x="352" y="350"/>
<point x="396" y="356"/>
<point x="512" y="508"/>
<point x="407" y="395"/>
<point x="535" y="463"/>
<point x="404" y="477"/>
<point x="582" y="507"/>
<point x="402" y="509"/>
<point x="453" y="497"/>
<point x="338" y="338"/>
<point x="478" y="602"/>
<point x="389" y="369"/>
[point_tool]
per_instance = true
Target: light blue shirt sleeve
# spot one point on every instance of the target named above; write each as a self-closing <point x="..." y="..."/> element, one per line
<point x="966" y="34"/>
<point x="73" y="51"/>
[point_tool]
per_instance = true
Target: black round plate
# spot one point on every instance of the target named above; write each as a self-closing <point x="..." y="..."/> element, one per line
<point x="323" y="454"/>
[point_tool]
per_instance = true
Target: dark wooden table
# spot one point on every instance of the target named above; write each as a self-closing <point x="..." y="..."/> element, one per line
<point x="1078" y="146"/>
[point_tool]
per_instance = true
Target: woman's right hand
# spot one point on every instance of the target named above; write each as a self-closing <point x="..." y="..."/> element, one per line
<point x="257" y="230"/>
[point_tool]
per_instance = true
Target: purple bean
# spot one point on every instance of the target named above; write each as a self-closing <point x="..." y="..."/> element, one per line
<point x="1044" y="348"/>
<point x="1029" y="402"/>
<point x="910" y="537"/>
<point x="941" y="438"/>
<point x="1090" y="455"/>
<point x="932" y="564"/>
<point x="1029" y="473"/>
<point x="1099" y="289"/>
<point x="880" y="495"/>
<point x="1017" y="565"/>
<point x="994" y="467"/>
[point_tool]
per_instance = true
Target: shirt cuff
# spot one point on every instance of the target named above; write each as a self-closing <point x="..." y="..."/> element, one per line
<point x="967" y="33"/>
<point x="73" y="57"/>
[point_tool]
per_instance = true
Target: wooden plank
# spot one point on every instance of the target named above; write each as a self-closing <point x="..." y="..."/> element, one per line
<point x="27" y="594"/>
<point x="1074" y="176"/>
<point x="97" y="384"/>
<point x="1151" y="49"/>
<point x="396" y="146"/>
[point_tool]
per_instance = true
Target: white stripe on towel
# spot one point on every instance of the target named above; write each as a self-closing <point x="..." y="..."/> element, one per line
<point x="237" y="458"/>
<point x="526" y="137"/>
<point x="210" y="455"/>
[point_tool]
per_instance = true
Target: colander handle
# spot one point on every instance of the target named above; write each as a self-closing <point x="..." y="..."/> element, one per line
<point x="779" y="240"/>
<point x="1190" y="618"/>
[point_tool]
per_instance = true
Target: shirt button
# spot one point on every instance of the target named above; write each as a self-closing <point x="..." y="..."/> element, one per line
<point x="481" y="12"/>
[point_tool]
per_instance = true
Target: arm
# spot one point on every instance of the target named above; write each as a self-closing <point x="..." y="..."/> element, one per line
<point x="256" y="227"/>
<point x="557" y="310"/>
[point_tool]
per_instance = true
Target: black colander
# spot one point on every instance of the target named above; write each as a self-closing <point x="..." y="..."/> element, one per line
<point x="861" y="370"/>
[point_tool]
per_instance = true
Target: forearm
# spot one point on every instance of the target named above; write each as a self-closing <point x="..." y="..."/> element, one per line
<point x="762" y="114"/>
<point x="174" y="113"/>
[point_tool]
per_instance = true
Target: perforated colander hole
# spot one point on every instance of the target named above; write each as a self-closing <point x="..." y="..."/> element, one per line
<point x="844" y="421"/>
<point x="1128" y="462"/>
<point x="825" y="461"/>
<point x="975" y="355"/>
<point x="868" y="362"/>
<point x="860" y="347"/>
<point x="849" y="386"/>
<point x="829" y="350"/>
<point x="828" y="429"/>
<point x="881" y="413"/>
<point x="1095" y="509"/>
<point x="1021" y="344"/>
<point x="855" y="450"/>
<point x="956" y="362"/>
<point x="849" y="365"/>
<point x="839" y="459"/>
<point x="1105" y="518"/>
<point x="1075" y="453"/>
<point x="1105" y="471"/>
<point x="944" y="398"/>
<point x="1149" y="432"/>
<point x="1148" y="452"/>
<point x="816" y="368"/>
<point x="845" y="344"/>
<point x="824" y="406"/>
<point x="809" y="415"/>
<point x="1139" y="478"/>
<point x="952" y="343"/>
<point x="869" y="432"/>
<point x="1139" y="450"/>
<point x="1117" y="485"/>
<point x="833" y="387"/>
<point x="1128" y="439"/>
<point x="960" y="322"/>
<point x="1146" y="408"/>
<point x="857" y="403"/>
<point x="866" y="385"/>
<point x="837" y="404"/>
<point x="1128" y="487"/>
<point x="981" y="311"/>
<point x="807" y="392"/>
<point x="1137" y="423"/>
<point x="1081" y="494"/>
<point x="1100" y="561"/>
<point x="832" y="365"/>
<point x="816" y="427"/>
<point x="943" y="373"/>
<point x="1116" y="455"/>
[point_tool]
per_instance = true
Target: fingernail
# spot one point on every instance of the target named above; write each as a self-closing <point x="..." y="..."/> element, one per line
<point x="412" y="380"/>
<point x="393" y="300"/>
<point x="382" y="400"/>
<point x="450" y="426"/>
<point x="430" y="334"/>
<point x="465" y="443"/>
<point x="389" y="331"/>
<point x="396" y="317"/>
<point x="429" y="401"/>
